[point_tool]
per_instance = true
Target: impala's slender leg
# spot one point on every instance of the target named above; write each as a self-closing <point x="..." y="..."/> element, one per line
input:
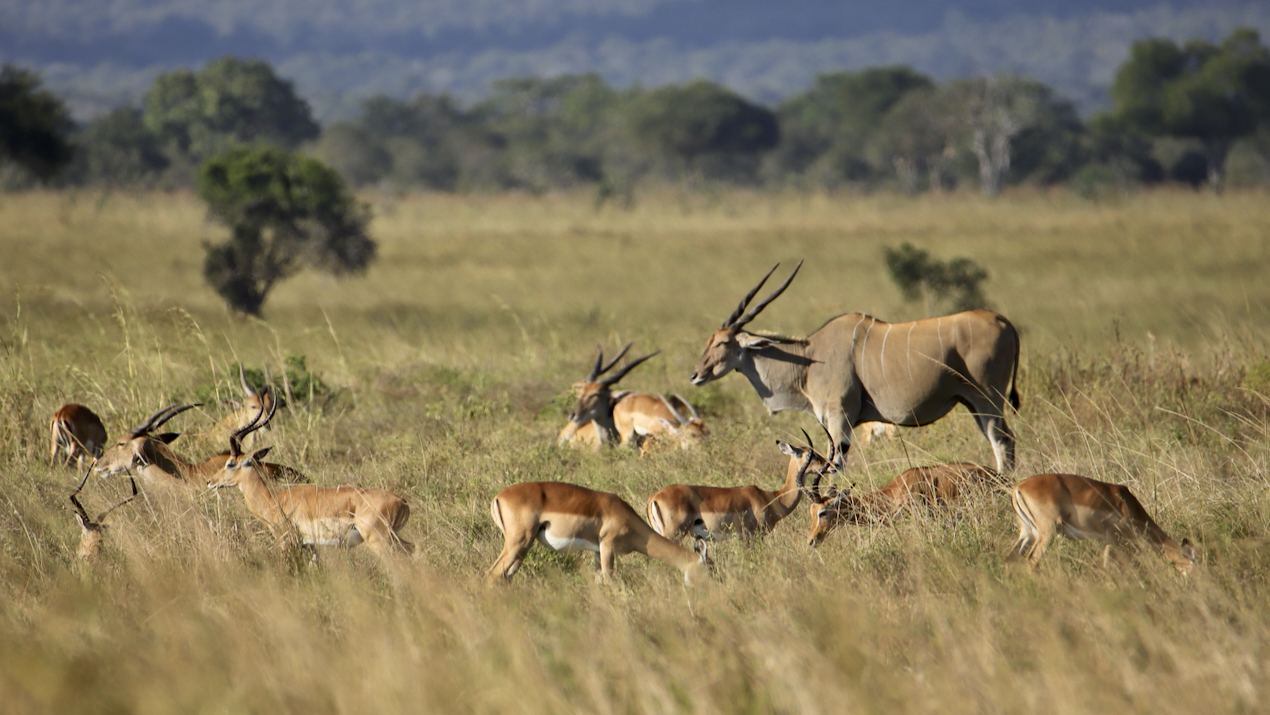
<point x="606" y="558"/>
<point x="515" y="546"/>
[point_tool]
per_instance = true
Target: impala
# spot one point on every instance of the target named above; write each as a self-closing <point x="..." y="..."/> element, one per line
<point x="686" y="429"/>
<point x="566" y="517"/>
<point x="858" y="369"/>
<point x="318" y="516"/>
<point x="596" y="401"/>
<point x="933" y="486"/>
<point x="151" y="456"/>
<point x="1083" y="508"/>
<point x="77" y="432"/>
<point x="91" y="530"/>
<point x="250" y="408"/>
<point x="713" y="512"/>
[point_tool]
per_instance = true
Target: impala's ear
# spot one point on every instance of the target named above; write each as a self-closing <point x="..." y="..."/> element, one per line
<point x="702" y="550"/>
<point x="753" y="342"/>
<point x="80" y="520"/>
<point x="1187" y="550"/>
<point x="167" y="437"/>
<point x="260" y="454"/>
<point x="788" y="449"/>
<point x="233" y="403"/>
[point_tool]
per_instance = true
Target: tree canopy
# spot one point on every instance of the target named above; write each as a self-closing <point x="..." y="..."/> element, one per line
<point x="231" y="101"/>
<point x="285" y="212"/>
<point x="35" y="125"/>
<point x="702" y="118"/>
<point x="1215" y="94"/>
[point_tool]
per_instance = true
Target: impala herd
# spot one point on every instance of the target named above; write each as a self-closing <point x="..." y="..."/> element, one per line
<point x="853" y="371"/>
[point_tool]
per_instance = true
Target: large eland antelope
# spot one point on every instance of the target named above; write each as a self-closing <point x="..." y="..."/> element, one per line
<point x="930" y="486"/>
<point x="77" y="433"/>
<point x="318" y="516"/>
<point x="566" y="517"/>
<point x="857" y="369"/>
<point x="714" y="512"/>
<point x="1083" y="508"/>
<point x="151" y="456"/>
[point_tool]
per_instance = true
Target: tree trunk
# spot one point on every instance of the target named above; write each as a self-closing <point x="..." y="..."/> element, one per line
<point x="1215" y="153"/>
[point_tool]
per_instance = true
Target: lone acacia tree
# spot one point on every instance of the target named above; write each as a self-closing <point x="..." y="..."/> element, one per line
<point x="285" y="212"/>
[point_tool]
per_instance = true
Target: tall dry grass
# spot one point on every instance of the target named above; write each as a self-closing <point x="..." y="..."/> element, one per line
<point x="1144" y="363"/>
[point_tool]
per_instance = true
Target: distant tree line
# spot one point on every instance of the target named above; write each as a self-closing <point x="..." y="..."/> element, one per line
<point x="1178" y="112"/>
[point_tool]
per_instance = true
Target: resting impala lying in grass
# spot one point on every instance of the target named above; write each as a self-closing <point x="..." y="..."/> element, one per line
<point x="1083" y="508"/>
<point x="249" y="408"/>
<point x="713" y="512"/>
<point x="91" y="530"/>
<point x="316" y="516"/>
<point x="77" y="433"/>
<point x="566" y="517"/>
<point x="151" y="457"/>
<point x="932" y="486"/>
<point x="602" y="416"/>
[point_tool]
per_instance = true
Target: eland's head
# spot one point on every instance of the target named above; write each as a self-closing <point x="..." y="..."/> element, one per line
<point x="726" y="349"/>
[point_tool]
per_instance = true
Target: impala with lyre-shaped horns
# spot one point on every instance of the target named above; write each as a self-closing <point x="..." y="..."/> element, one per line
<point x="317" y="516"/>
<point x="1084" y="508"/>
<point x="151" y="456"/>
<point x="596" y="401"/>
<point x="250" y="408"/>
<point x="77" y="433"/>
<point x="933" y="486"/>
<point x="859" y="369"/>
<point x="714" y="512"/>
<point x="92" y="530"/>
<point x="567" y="517"/>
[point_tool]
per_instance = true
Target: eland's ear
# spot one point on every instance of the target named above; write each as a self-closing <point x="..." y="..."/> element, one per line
<point x="259" y="454"/>
<point x="753" y="342"/>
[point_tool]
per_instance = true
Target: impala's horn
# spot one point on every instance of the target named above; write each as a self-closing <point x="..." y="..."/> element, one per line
<point x="242" y="378"/>
<point x="602" y="367"/>
<point x="612" y="379"/>
<point x="157" y="419"/>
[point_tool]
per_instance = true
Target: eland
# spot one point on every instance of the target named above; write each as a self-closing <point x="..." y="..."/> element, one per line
<point x="857" y="368"/>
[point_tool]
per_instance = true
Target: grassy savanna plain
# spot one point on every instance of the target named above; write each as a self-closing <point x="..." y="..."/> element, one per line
<point x="1144" y="363"/>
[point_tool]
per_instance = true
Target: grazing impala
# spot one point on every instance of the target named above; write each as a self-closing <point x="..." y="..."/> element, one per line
<point x="566" y="517"/>
<point x="714" y="512"/>
<point x="1083" y="508"/>
<point x="91" y="530"/>
<point x="856" y="369"/>
<point x="318" y="516"/>
<point x="933" y="486"/>
<point x="152" y="457"/>
<point x="78" y="433"/>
